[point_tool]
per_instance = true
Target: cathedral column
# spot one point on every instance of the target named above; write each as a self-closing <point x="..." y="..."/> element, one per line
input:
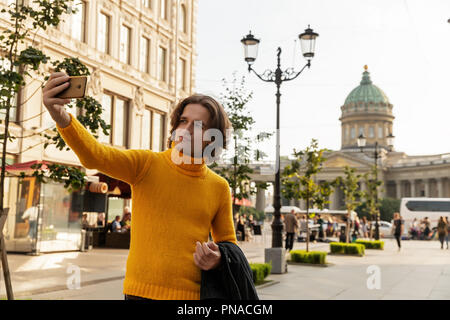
<point x="440" y="187"/>
<point x="426" y="182"/>
<point x="398" y="186"/>
<point x="260" y="199"/>
<point x="335" y="199"/>
<point x="413" y="188"/>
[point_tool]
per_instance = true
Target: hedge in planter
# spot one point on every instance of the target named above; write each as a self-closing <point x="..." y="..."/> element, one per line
<point x="372" y="244"/>
<point x="260" y="271"/>
<point x="347" y="248"/>
<point x="313" y="257"/>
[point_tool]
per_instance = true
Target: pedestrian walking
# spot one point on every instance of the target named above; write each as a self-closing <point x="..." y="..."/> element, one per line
<point x="448" y="231"/>
<point x="241" y="227"/>
<point x="398" y="229"/>
<point x="177" y="200"/>
<point x="442" y="229"/>
<point x="291" y="226"/>
<point x="364" y="227"/>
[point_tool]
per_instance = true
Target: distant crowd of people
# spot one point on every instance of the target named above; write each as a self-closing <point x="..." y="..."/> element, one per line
<point x="244" y="226"/>
<point x="119" y="224"/>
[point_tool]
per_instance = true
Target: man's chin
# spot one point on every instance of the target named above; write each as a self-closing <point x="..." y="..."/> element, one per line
<point x="187" y="149"/>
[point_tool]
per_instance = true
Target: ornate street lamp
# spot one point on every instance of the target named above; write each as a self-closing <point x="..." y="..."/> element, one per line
<point x="308" y="42"/>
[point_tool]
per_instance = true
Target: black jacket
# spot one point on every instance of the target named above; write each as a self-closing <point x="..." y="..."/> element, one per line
<point x="232" y="280"/>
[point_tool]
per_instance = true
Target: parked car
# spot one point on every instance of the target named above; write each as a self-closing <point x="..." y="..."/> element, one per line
<point x="385" y="229"/>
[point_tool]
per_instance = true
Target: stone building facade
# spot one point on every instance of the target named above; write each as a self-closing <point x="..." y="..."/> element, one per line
<point x="368" y="111"/>
<point x="141" y="55"/>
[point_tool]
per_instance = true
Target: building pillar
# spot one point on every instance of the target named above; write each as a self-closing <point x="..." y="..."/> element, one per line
<point x="426" y="183"/>
<point x="334" y="205"/>
<point x="260" y="199"/>
<point x="440" y="187"/>
<point x="363" y="186"/>
<point x="413" y="188"/>
<point x="398" y="186"/>
<point x="302" y="204"/>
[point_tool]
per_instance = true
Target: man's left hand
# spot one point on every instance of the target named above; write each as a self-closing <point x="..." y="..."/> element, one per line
<point x="207" y="255"/>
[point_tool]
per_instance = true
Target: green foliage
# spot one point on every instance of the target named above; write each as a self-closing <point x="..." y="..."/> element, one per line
<point x="260" y="271"/>
<point x="347" y="248"/>
<point x="72" y="177"/>
<point x="371" y="244"/>
<point x="298" y="180"/>
<point x="372" y="203"/>
<point x="349" y="186"/>
<point x="234" y="101"/>
<point x="313" y="257"/>
<point x="257" y="214"/>
<point x="40" y="14"/>
<point x="388" y="207"/>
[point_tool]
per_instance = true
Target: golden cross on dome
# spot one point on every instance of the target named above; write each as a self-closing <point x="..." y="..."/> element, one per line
<point x="366" y="67"/>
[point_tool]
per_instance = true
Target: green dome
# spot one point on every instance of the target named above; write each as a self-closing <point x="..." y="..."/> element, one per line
<point x="367" y="92"/>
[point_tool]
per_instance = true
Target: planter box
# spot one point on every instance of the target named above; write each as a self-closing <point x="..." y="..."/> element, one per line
<point x="323" y="265"/>
<point x="345" y="254"/>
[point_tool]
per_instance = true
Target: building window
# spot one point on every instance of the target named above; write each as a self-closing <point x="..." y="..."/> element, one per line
<point x="352" y="133"/>
<point x="371" y="132"/>
<point x="162" y="56"/>
<point x="157" y="133"/>
<point x="103" y="33"/>
<point x="152" y="135"/>
<point x="183" y="19"/>
<point x="107" y="101"/>
<point x="146" y="129"/>
<point x="380" y="132"/>
<point x="120" y="122"/>
<point x="361" y="131"/>
<point x="147" y="3"/>
<point x="5" y="65"/>
<point x="78" y="24"/>
<point x="164" y="9"/>
<point x="182" y="74"/>
<point x="124" y="54"/>
<point x="115" y="113"/>
<point x="144" y="60"/>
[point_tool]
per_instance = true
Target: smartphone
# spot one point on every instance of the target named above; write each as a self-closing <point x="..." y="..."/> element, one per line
<point x="76" y="88"/>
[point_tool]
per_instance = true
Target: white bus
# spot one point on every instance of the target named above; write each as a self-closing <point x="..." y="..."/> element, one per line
<point x="419" y="208"/>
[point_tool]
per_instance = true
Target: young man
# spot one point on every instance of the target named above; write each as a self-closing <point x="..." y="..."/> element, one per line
<point x="175" y="203"/>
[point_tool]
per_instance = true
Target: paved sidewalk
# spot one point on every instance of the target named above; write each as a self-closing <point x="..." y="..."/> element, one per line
<point x="420" y="271"/>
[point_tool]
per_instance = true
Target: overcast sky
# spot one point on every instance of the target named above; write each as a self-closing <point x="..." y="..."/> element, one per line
<point x="405" y="43"/>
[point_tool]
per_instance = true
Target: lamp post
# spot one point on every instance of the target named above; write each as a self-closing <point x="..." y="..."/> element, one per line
<point x="307" y="40"/>
<point x="361" y="141"/>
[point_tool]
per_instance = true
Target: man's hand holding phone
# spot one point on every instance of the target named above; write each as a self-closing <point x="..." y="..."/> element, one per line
<point x="58" y="83"/>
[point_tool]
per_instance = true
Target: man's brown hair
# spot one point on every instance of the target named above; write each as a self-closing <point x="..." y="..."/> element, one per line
<point x="218" y="118"/>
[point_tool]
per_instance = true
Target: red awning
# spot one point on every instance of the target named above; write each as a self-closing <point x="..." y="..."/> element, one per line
<point x="242" y="202"/>
<point x="26" y="167"/>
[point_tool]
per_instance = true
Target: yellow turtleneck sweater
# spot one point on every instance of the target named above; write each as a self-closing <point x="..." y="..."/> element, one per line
<point x="174" y="206"/>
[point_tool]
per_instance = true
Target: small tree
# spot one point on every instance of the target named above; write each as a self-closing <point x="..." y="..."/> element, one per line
<point x="16" y="66"/>
<point x="235" y="101"/>
<point x="298" y="181"/>
<point x="349" y="185"/>
<point x="372" y="203"/>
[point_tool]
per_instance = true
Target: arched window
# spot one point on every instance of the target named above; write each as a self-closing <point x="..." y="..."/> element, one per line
<point x="183" y="19"/>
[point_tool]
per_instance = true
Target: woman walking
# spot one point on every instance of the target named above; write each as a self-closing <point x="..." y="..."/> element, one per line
<point x="442" y="231"/>
<point x="398" y="229"/>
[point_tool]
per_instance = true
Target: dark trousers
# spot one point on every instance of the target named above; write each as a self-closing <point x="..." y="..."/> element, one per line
<point x="289" y="240"/>
<point x="398" y="237"/>
<point x="441" y="239"/>
<point x="129" y="297"/>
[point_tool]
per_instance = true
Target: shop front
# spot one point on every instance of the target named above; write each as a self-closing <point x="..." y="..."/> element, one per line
<point x="44" y="217"/>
